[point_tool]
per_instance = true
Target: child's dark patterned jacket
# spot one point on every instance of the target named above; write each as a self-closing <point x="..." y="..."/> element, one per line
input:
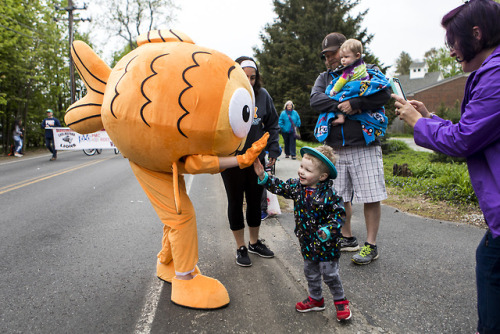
<point x="322" y="209"/>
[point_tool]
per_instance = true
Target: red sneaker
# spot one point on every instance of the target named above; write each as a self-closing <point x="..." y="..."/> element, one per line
<point x="310" y="305"/>
<point x="343" y="310"/>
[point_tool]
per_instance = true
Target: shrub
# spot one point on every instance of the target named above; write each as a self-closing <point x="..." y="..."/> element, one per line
<point x="453" y="114"/>
<point x="394" y="145"/>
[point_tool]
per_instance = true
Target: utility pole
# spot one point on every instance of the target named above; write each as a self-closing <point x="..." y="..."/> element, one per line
<point x="71" y="20"/>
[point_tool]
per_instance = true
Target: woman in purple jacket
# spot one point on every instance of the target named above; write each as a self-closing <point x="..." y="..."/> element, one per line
<point x="473" y="36"/>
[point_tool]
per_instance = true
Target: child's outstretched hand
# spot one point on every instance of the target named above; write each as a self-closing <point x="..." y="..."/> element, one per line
<point x="247" y="159"/>
<point x="259" y="169"/>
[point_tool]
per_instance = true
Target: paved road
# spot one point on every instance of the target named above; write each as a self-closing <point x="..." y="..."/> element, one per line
<point x="77" y="245"/>
<point x="78" y="240"/>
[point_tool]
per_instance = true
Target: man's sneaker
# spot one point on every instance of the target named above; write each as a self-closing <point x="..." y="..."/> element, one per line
<point x="349" y="244"/>
<point x="367" y="254"/>
<point x="343" y="310"/>
<point x="242" y="258"/>
<point x="19" y="155"/>
<point x="260" y="249"/>
<point x="310" y="304"/>
<point x="263" y="215"/>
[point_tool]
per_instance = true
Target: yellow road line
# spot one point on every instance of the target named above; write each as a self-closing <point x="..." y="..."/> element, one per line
<point x="47" y="175"/>
<point x="37" y="179"/>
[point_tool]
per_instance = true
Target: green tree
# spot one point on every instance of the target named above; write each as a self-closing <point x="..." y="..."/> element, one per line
<point x="117" y="55"/>
<point x="33" y="65"/>
<point x="403" y="64"/>
<point x="440" y="60"/>
<point x="290" y="59"/>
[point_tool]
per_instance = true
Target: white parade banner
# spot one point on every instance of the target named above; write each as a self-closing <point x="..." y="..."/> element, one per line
<point x="67" y="139"/>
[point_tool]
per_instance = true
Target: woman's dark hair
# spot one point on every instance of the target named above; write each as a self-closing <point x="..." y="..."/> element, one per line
<point x="258" y="83"/>
<point x="459" y="22"/>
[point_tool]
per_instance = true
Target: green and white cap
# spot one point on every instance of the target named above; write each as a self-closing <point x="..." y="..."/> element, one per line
<point x="322" y="157"/>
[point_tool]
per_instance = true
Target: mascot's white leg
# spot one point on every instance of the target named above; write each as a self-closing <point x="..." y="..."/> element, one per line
<point x="180" y="243"/>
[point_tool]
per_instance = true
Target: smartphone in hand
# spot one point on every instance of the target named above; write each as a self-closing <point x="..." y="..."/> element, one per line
<point x="397" y="88"/>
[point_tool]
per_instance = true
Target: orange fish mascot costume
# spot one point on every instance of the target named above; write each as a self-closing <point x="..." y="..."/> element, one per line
<point x="172" y="108"/>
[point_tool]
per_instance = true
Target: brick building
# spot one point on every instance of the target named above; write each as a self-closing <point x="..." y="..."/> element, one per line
<point x="431" y="89"/>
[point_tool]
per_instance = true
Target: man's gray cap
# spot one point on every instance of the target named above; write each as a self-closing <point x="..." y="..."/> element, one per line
<point x="332" y="42"/>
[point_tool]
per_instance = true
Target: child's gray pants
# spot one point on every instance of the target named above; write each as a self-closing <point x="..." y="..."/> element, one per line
<point x="330" y="272"/>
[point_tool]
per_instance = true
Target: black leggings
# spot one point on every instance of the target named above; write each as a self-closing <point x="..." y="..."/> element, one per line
<point x="238" y="182"/>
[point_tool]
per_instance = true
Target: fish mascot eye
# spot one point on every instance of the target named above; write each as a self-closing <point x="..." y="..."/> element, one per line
<point x="240" y="112"/>
<point x="172" y="108"/>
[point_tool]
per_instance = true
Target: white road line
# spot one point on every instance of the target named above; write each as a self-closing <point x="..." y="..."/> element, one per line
<point x="9" y="161"/>
<point x="145" y="322"/>
<point x="143" y="325"/>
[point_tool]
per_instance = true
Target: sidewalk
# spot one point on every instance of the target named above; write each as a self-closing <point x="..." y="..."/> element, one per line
<point x="287" y="168"/>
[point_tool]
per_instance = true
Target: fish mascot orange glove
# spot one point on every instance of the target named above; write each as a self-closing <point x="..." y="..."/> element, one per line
<point x="246" y="160"/>
<point x="171" y="107"/>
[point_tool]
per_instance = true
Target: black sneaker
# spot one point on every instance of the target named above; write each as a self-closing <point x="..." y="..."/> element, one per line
<point x="349" y="244"/>
<point x="242" y="258"/>
<point x="260" y="249"/>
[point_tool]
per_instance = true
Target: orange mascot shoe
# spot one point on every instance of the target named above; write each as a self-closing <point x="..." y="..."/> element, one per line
<point x="172" y="108"/>
<point x="201" y="292"/>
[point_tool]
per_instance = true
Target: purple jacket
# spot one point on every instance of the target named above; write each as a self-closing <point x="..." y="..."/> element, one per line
<point x="476" y="136"/>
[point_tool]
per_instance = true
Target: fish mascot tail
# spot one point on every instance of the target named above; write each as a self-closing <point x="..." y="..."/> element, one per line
<point x="84" y="116"/>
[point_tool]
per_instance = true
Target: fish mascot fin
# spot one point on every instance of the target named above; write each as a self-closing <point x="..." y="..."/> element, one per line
<point x="84" y="116"/>
<point x="162" y="36"/>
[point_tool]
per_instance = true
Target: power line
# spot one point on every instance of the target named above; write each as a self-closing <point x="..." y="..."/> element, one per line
<point x="23" y="34"/>
<point x="40" y="35"/>
<point x="17" y="32"/>
<point x="16" y="21"/>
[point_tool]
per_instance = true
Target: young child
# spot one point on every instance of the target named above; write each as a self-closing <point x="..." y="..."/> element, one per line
<point x="319" y="215"/>
<point x="355" y="80"/>
<point x="354" y="69"/>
